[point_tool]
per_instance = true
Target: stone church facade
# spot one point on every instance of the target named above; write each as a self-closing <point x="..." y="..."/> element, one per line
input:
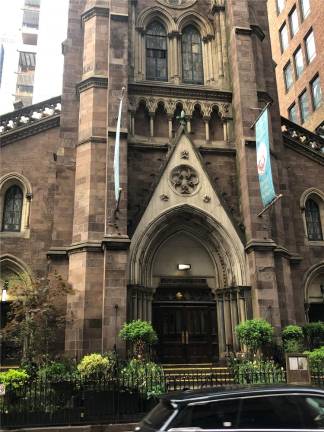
<point x="185" y="248"/>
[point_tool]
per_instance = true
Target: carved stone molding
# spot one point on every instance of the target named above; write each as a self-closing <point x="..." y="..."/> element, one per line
<point x="184" y="154"/>
<point x="151" y="102"/>
<point x="164" y="197"/>
<point x="184" y="179"/>
<point x="177" y="4"/>
<point x="98" y="82"/>
<point x="95" y="11"/>
<point x="167" y="90"/>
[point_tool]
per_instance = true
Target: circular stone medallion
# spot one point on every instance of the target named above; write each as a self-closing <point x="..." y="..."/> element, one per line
<point x="184" y="179"/>
<point x="177" y="4"/>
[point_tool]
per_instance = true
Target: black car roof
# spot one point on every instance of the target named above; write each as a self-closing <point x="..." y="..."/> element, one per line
<point x="188" y="396"/>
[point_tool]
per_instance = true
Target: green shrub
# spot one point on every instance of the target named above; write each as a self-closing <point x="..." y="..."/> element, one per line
<point x="314" y="334"/>
<point x="94" y="366"/>
<point x="316" y="359"/>
<point x="293" y="346"/>
<point x="254" y="334"/>
<point x="257" y="372"/>
<point x="56" y="371"/>
<point x="146" y="378"/>
<point x="140" y="334"/>
<point x="292" y="337"/>
<point x="14" y="378"/>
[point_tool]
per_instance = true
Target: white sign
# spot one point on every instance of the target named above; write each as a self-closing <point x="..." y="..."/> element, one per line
<point x="2" y="389"/>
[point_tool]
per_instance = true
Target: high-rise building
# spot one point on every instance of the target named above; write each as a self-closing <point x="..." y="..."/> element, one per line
<point x="183" y="244"/>
<point x="297" y="40"/>
<point x="33" y="66"/>
<point x="28" y="52"/>
<point x="1" y="61"/>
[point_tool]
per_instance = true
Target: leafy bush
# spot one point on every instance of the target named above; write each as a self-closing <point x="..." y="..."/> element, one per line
<point x="293" y="346"/>
<point x="257" y="372"/>
<point x="254" y="334"/>
<point x="140" y="334"/>
<point x="314" y="334"/>
<point x="14" y="378"/>
<point x="292" y="336"/>
<point x="56" y="371"/>
<point x="146" y="378"/>
<point x="316" y="359"/>
<point x="94" y="366"/>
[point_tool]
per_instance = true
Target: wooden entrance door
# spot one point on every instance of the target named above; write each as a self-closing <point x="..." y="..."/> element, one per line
<point x="187" y="332"/>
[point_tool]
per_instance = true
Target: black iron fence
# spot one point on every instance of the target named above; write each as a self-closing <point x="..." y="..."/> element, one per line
<point x="115" y="399"/>
<point x="77" y="401"/>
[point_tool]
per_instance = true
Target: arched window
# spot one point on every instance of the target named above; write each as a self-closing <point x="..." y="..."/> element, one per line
<point x="313" y="220"/>
<point x="192" y="66"/>
<point x="156" y="52"/>
<point x="12" y="209"/>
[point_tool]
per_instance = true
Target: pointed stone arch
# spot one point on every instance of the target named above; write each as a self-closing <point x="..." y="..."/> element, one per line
<point x="314" y="291"/>
<point x="155" y="13"/>
<point x="228" y="259"/>
<point x="12" y="267"/>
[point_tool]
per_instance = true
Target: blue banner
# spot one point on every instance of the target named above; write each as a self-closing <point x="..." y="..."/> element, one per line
<point x="263" y="159"/>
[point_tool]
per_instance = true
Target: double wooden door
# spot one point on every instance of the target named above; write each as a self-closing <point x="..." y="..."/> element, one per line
<point x="187" y="332"/>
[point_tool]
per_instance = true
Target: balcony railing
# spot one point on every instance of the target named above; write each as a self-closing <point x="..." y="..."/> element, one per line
<point x="302" y="137"/>
<point x="30" y="115"/>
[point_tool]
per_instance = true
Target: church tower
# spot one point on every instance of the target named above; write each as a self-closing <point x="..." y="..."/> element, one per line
<point x="184" y="248"/>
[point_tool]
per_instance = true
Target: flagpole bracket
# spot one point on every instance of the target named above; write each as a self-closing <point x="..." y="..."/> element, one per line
<point x="277" y="198"/>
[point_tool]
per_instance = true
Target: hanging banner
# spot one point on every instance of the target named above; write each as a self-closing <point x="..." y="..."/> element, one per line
<point x="263" y="159"/>
<point x="117" y="149"/>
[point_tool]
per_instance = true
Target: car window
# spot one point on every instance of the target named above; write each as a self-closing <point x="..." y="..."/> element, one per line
<point x="156" y="418"/>
<point x="270" y="412"/>
<point x="312" y="411"/>
<point x="212" y="415"/>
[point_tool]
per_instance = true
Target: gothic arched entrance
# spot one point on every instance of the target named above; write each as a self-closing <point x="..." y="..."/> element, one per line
<point x="314" y="294"/>
<point x="187" y="276"/>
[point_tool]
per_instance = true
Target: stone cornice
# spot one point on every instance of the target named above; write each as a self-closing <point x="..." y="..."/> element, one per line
<point x="170" y="90"/>
<point x="260" y="245"/>
<point x="108" y="242"/>
<point x="91" y="246"/>
<point x="94" y="81"/>
<point x="30" y="130"/>
<point x="116" y="243"/>
<point x="119" y="17"/>
<point x="217" y="150"/>
<point x="95" y="11"/>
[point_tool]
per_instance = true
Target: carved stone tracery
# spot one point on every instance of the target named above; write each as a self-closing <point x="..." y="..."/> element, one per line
<point x="224" y="109"/>
<point x="184" y="179"/>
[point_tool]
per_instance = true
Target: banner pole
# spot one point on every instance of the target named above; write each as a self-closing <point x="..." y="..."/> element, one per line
<point x="270" y="205"/>
<point x="260" y="114"/>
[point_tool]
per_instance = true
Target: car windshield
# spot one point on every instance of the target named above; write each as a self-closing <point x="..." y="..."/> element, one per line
<point x="159" y="415"/>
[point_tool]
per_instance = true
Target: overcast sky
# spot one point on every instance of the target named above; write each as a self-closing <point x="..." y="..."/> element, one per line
<point x="49" y="61"/>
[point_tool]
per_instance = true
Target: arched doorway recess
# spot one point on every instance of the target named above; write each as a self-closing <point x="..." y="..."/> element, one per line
<point x="211" y="297"/>
<point x="314" y="293"/>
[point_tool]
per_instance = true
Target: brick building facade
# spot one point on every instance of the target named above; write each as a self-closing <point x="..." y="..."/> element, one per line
<point x="190" y="193"/>
<point x="297" y="40"/>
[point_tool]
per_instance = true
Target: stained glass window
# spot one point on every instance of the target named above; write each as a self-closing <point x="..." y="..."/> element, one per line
<point x="313" y="220"/>
<point x="192" y="63"/>
<point x="12" y="209"/>
<point x="156" y="52"/>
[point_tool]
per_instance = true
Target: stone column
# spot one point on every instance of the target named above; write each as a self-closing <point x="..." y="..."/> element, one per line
<point x="84" y="333"/>
<point x="115" y="242"/>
